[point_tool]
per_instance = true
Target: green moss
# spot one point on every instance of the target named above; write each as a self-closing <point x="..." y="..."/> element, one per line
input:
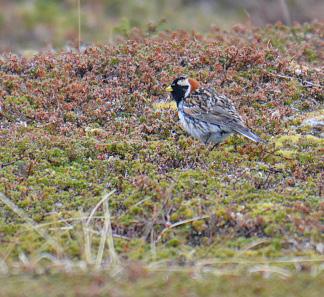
<point x="278" y="43"/>
<point x="173" y="242"/>
<point x="290" y="140"/>
<point x="310" y="54"/>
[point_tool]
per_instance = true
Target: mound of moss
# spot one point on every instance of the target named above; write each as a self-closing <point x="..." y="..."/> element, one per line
<point x="77" y="125"/>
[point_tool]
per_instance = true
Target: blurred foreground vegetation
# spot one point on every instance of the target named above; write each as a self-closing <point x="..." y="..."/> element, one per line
<point x="37" y="24"/>
<point x="140" y="282"/>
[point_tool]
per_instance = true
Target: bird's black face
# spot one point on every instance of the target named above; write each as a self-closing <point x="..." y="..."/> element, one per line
<point x="179" y="89"/>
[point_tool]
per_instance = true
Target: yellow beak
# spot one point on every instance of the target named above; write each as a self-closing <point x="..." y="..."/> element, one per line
<point x="169" y="89"/>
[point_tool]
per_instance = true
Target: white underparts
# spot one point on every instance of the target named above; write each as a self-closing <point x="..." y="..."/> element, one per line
<point x="205" y="132"/>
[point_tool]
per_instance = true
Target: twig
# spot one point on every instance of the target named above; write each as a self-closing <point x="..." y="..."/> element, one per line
<point x="3" y="165"/>
<point x="304" y="82"/>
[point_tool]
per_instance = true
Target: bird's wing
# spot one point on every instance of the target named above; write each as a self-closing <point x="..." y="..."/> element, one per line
<point x="208" y="106"/>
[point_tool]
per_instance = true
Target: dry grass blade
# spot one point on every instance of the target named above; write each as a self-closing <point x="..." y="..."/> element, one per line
<point x="87" y="240"/>
<point x="268" y="270"/>
<point x="114" y="235"/>
<point x="31" y="224"/>
<point x="254" y="244"/>
<point x="97" y="206"/>
<point x="179" y="224"/>
<point x="247" y="262"/>
<point x="104" y="232"/>
<point x="3" y="267"/>
<point x="153" y="245"/>
<point x="110" y="241"/>
<point x="68" y="220"/>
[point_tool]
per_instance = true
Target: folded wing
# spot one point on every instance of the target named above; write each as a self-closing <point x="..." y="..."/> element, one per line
<point x="221" y="112"/>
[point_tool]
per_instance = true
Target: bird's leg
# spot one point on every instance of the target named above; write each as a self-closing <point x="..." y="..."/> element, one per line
<point x="207" y="138"/>
<point x="214" y="146"/>
<point x="235" y="143"/>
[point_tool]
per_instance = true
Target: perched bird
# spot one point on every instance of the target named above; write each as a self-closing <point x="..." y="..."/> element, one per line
<point x="205" y="114"/>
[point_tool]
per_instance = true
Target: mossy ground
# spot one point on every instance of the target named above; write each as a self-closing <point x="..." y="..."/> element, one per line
<point x="160" y="284"/>
<point x="77" y="125"/>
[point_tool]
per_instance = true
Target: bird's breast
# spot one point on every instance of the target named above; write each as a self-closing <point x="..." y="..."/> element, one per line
<point x="193" y="126"/>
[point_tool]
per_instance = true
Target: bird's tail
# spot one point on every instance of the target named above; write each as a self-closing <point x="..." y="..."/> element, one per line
<point x="249" y="134"/>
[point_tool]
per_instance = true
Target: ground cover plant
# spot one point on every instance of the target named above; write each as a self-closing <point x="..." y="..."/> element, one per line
<point x="91" y="150"/>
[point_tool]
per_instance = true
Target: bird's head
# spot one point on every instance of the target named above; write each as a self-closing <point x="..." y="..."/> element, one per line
<point x="181" y="88"/>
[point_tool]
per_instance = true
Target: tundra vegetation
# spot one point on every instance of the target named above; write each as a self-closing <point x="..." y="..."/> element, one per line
<point x="101" y="191"/>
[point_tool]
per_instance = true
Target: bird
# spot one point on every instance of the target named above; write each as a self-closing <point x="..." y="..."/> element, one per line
<point x="205" y="114"/>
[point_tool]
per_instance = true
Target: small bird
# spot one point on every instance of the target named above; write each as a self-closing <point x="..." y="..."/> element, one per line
<point x="205" y="114"/>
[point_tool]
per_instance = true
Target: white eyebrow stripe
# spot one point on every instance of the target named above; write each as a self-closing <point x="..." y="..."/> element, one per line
<point x="183" y="82"/>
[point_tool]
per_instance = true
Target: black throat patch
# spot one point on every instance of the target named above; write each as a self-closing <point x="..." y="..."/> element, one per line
<point x="178" y="94"/>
